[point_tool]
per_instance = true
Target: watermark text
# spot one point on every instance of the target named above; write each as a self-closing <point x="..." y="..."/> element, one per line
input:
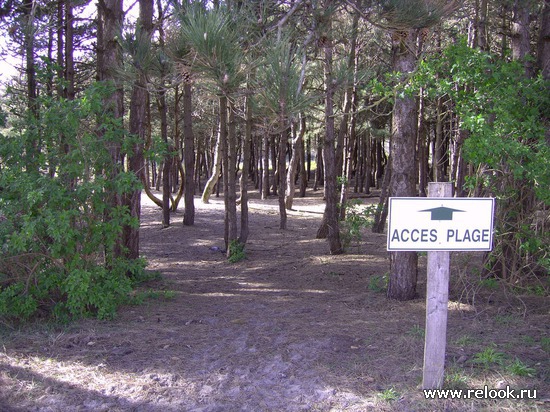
<point x="484" y="393"/>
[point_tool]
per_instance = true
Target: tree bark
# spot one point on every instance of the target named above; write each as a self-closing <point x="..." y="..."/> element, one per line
<point x="274" y="162"/>
<point x="69" y="52"/>
<point x="302" y="169"/>
<point x="543" y="46"/>
<point x="243" y="236"/>
<point x="438" y="163"/>
<point x="281" y="168"/>
<point x="319" y="170"/>
<point x="382" y="211"/>
<point x="403" y="265"/>
<point x="346" y="134"/>
<point x="60" y="45"/>
<point x="29" y="11"/>
<point x="480" y="37"/>
<point x="177" y="174"/>
<point x="265" y="168"/>
<point x="109" y="62"/>
<point x="188" y="157"/>
<point x="230" y="190"/>
<point x="543" y="55"/>
<point x="330" y="223"/>
<point x="216" y="166"/>
<point x="297" y="151"/>
<point x="422" y="149"/>
<point x="138" y="128"/>
<point x="348" y="100"/>
<point x="521" y="45"/>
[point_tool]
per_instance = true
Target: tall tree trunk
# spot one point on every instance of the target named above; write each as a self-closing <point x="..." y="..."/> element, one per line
<point x="403" y="265"/>
<point x="438" y="148"/>
<point x="231" y="178"/>
<point x="216" y="167"/>
<point x="109" y="62"/>
<point x="382" y="210"/>
<point x="69" y="51"/>
<point x="223" y="107"/>
<point x="138" y="127"/>
<point x="243" y="237"/>
<point x="348" y="99"/>
<point x="347" y="126"/>
<point x="319" y="170"/>
<point x="178" y="173"/>
<point x="274" y="162"/>
<point x="367" y="162"/>
<point x="148" y="143"/>
<point x="521" y="44"/>
<point x="330" y="224"/>
<point x="308" y="158"/>
<point x="302" y="170"/>
<point x="543" y="46"/>
<point x="380" y="157"/>
<point x="163" y="113"/>
<point x="188" y="156"/>
<point x="461" y="165"/>
<point x="281" y="168"/>
<point x="29" y="11"/>
<point x="543" y="55"/>
<point x="480" y="38"/>
<point x="257" y="162"/>
<point x="60" y="60"/>
<point x="167" y="163"/>
<point x="265" y="168"/>
<point x="422" y="149"/>
<point x="297" y="150"/>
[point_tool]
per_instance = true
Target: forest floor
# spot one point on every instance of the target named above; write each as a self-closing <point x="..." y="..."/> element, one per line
<point x="289" y="328"/>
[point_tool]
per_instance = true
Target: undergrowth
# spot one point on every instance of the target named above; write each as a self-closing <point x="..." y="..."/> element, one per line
<point x="61" y="218"/>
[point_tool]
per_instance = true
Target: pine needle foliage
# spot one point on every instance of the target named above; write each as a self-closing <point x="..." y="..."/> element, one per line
<point x="213" y="44"/>
<point x="411" y="14"/>
<point x="279" y="82"/>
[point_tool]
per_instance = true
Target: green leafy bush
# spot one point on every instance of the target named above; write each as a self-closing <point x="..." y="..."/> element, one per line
<point x="358" y="217"/>
<point x="59" y="228"/>
<point x="504" y="114"/>
<point x="236" y="251"/>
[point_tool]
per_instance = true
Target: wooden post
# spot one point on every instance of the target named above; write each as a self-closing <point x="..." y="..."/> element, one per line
<point x="437" y="297"/>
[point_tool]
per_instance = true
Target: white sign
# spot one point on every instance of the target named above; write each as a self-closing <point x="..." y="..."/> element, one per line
<point x="430" y="223"/>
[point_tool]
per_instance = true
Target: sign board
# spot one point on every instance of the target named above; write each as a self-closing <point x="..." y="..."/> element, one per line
<point x="424" y="224"/>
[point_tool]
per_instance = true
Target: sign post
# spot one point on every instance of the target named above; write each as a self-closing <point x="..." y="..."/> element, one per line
<point x="439" y="224"/>
<point x="437" y="298"/>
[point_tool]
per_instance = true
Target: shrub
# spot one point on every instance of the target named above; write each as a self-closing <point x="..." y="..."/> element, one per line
<point x="59" y="228"/>
<point x="358" y="217"/>
<point x="504" y="114"/>
<point x="236" y="251"/>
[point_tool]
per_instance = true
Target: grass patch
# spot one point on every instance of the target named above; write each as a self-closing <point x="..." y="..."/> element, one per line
<point x="489" y="357"/>
<point x="545" y="344"/>
<point x="140" y="297"/>
<point x="455" y="379"/>
<point x="489" y="283"/>
<point x="417" y="331"/>
<point x="465" y="340"/>
<point x="388" y="395"/>
<point x="378" y="284"/>
<point x="506" y="320"/>
<point x="518" y="368"/>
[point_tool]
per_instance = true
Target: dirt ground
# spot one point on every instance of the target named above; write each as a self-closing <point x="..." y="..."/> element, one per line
<point x="290" y="328"/>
